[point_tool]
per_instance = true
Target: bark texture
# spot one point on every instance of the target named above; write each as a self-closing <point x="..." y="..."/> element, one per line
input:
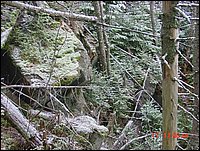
<point x="170" y="72"/>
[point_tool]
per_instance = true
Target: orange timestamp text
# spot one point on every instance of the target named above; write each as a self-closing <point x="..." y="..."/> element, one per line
<point x="169" y="135"/>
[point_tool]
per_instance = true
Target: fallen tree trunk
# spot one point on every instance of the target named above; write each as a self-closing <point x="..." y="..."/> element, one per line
<point x="19" y="120"/>
<point x="4" y="36"/>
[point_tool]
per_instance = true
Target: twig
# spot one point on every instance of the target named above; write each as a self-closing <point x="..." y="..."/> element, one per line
<point x="190" y="5"/>
<point x="54" y="54"/>
<point x="186" y="84"/>
<point x="189" y="134"/>
<point x="135" y="80"/>
<point x="125" y="70"/>
<point x="21" y="122"/>
<point x="180" y="147"/>
<point x="188" y="113"/>
<point x="182" y="43"/>
<point x="183" y="94"/>
<point x="128" y="143"/>
<point x="145" y="78"/>
<point x="182" y="13"/>
<point x="126" y="52"/>
<point x="194" y="18"/>
<point x="48" y="87"/>
<point x="130" y="122"/>
<point x="62" y="5"/>
<point x="181" y="84"/>
<point x="128" y="29"/>
<point x="90" y="32"/>
<point x="123" y="134"/>
<point x="63" y="107"/>
<point x="21" y="93"/>
<point x="186" y="38"/>
<point x="138" y="99"/>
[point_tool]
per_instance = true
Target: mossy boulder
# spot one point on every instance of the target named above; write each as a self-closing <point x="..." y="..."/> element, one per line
<point x="90" y="129"/>
<point x="48" y="49"/>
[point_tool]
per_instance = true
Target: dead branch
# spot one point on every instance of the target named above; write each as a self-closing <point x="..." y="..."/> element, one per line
<point x="183" y="14"/>
<point x="185" y="58"/>
<point x="127" y="29"/>
<point x="134" y="139"/>
<point x="118" y="142"/>
<point x="182" y="85"/>
<point x="21" y="93"/>
<point x="51" y="12"/>
<point x="60" y="105"/>
<point x="4" y="36"/>
<point x="188" y="113"/>
<point x="41" y="87"/>
<point x="189" y="5"/>
<point x="19" y="120"/>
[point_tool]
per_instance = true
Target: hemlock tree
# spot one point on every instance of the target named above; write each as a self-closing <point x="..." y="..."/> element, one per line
<point x="170" y="74"/>
<point x="152" y="14"/>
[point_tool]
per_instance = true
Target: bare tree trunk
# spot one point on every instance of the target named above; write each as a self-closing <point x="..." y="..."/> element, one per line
<point x="101" y="53"/>
<point x="195" y="125"/>
<point x="106" y="40"/>
<point x="152" y="5"/>
<point x="170" y="73"/>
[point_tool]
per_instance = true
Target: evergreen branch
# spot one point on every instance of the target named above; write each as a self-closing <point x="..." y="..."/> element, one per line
<point x="134" y="80"/>
<point x="126" y="52"/>
<point x="128" y="29"/>
<point x="134" y="139"/>
<point x="188" y="112"/>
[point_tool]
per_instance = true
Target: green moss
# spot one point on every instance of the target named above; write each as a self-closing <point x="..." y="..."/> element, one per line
<point x="5" y="122"/>
<point x="39" y="43"/>
<point x="83" y="140"/>
<point x="68" y="80"/>
<point x="169" y="45"/>
<point x="103" y="134"/>
<point x="11" y="16"/>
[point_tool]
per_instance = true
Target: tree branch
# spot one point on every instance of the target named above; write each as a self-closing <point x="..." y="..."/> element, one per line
<point x="128" y="29"/>
<point x="188" y="113"/>
<point x="134" y="139"/>
<point x="190" y="5"/>
<point x="181" y="84"/>
<point x="185" y="58"/>
<point x="52" y="12"/>
<point x="48" y="87"/>
<point x="183" y="14"/>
